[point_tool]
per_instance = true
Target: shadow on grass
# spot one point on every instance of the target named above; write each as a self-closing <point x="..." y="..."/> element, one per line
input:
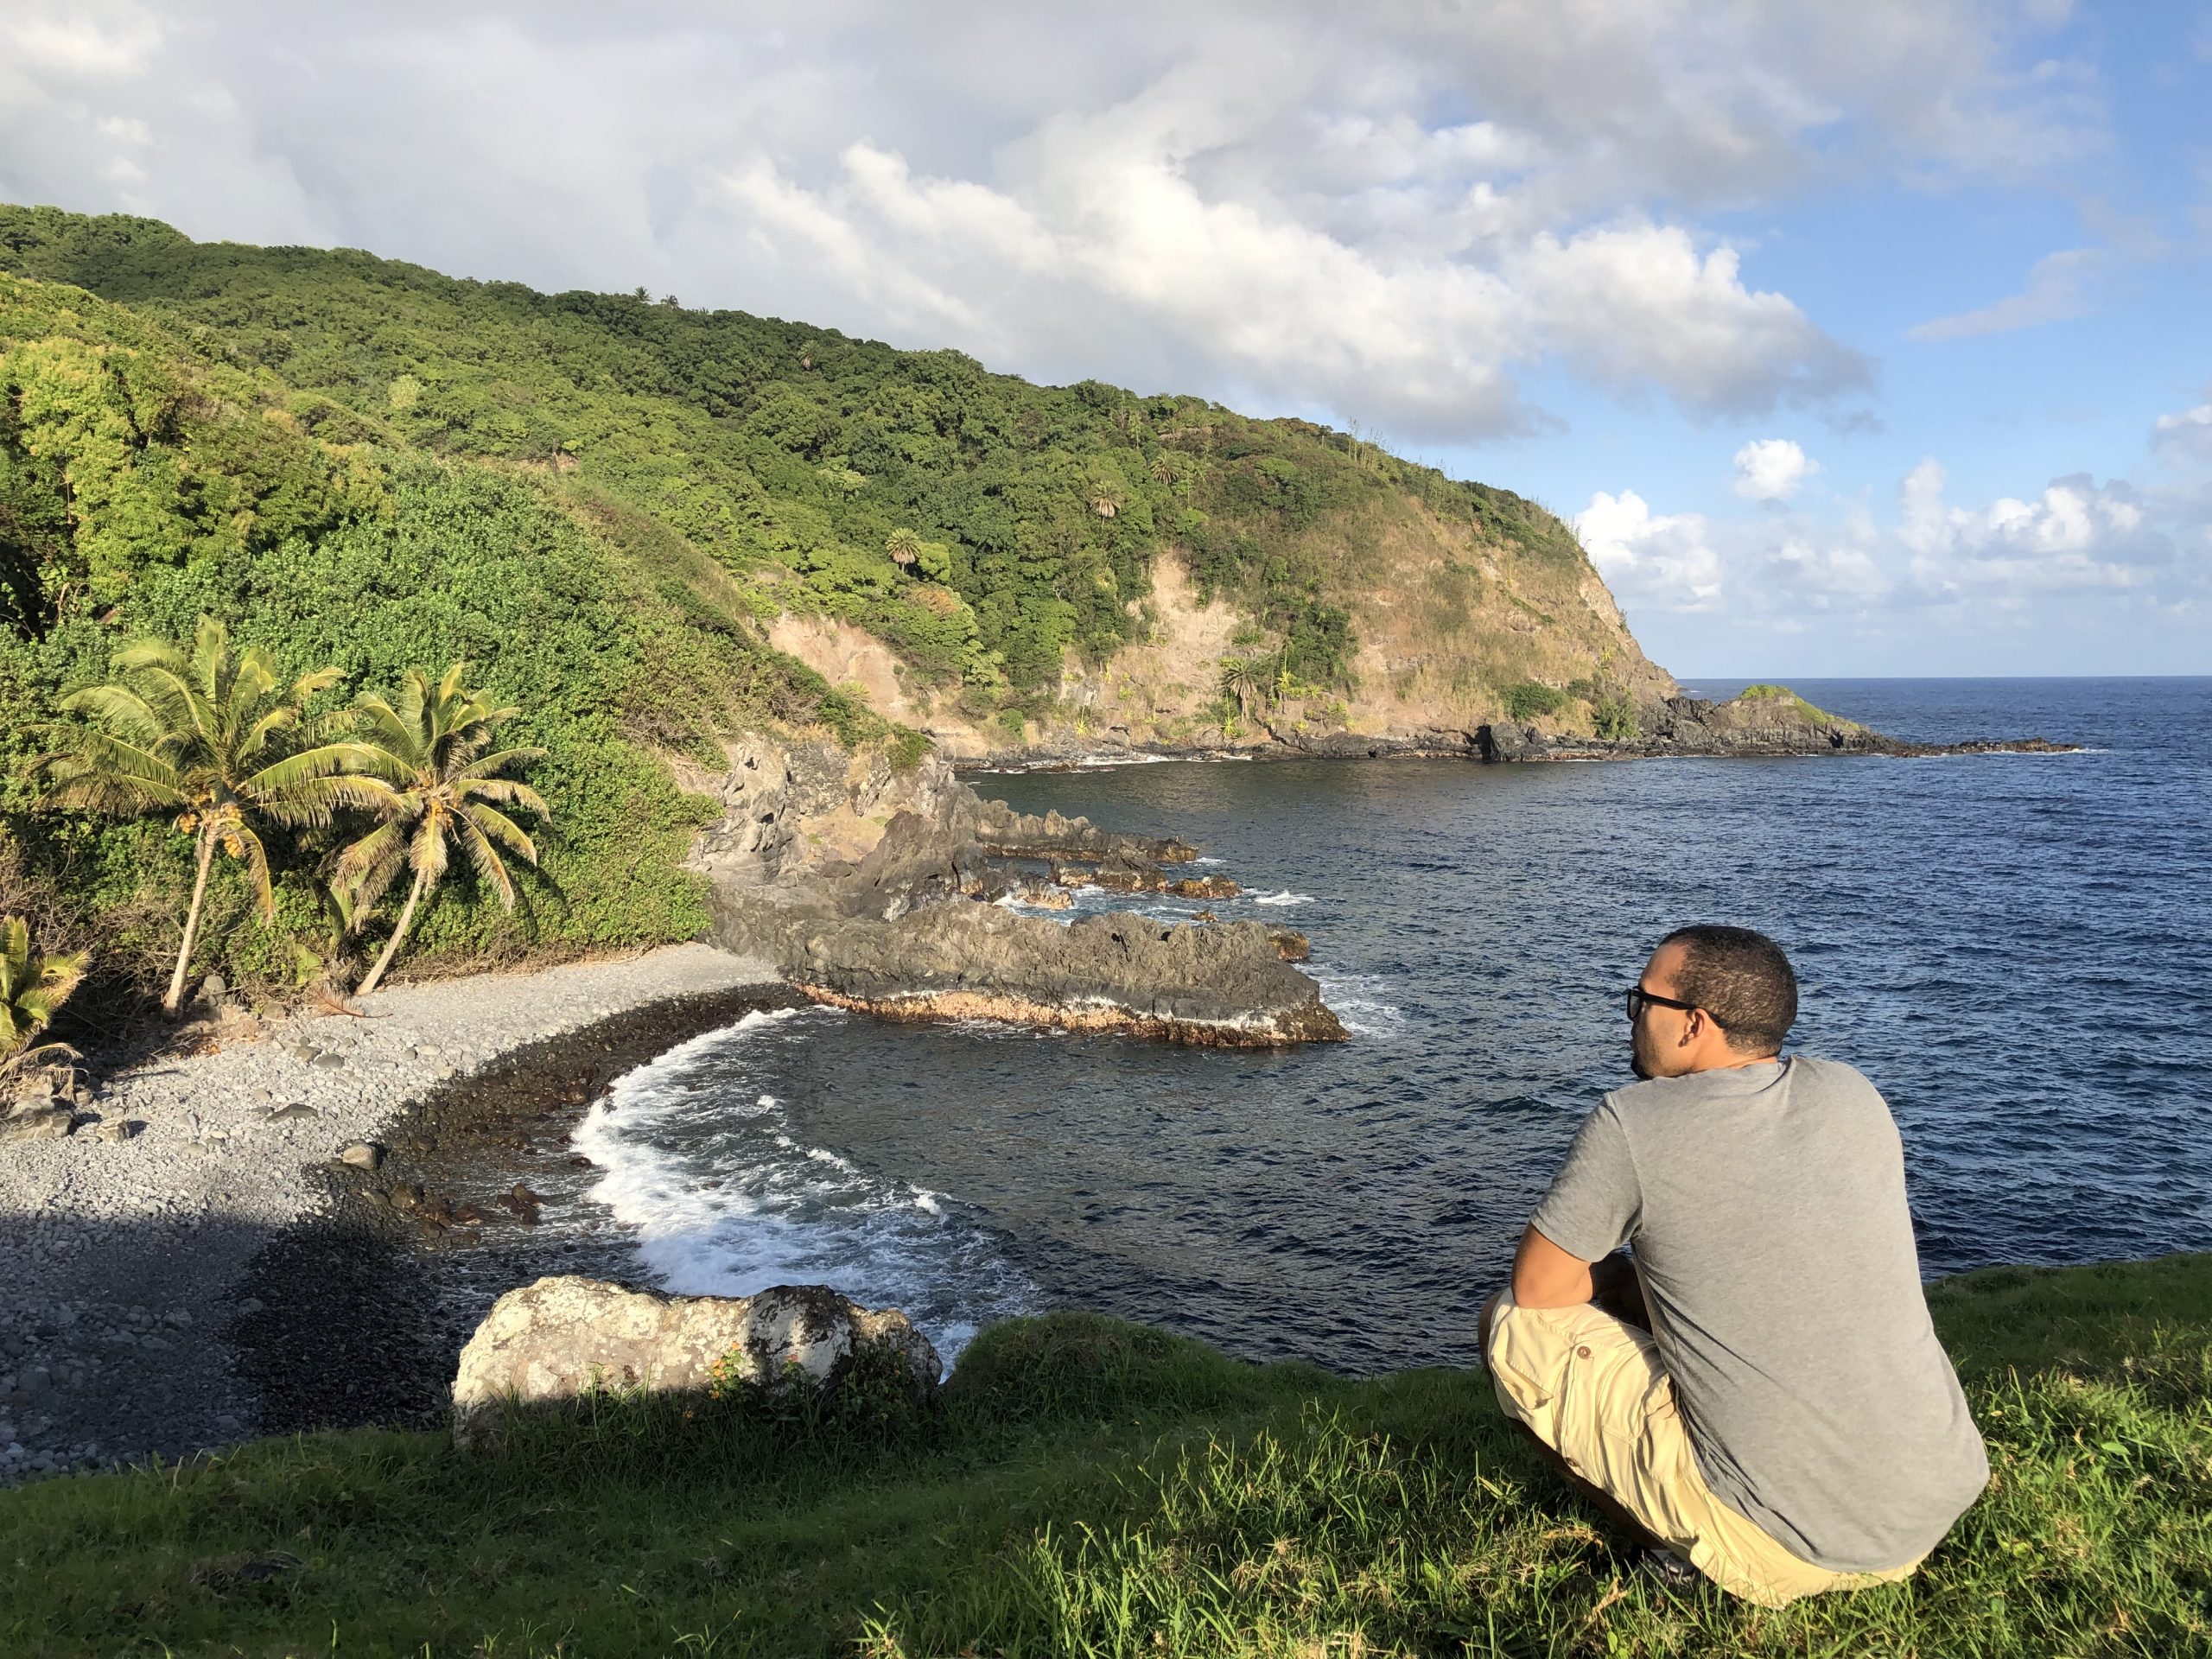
<point x="1087" y="1487"/>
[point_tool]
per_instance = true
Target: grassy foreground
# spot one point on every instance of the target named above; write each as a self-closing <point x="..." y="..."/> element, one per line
<point x="1093" y="1487"/>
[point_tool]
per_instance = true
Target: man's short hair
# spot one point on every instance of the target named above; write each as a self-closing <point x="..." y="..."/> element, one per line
<point x="1742" y="979"/>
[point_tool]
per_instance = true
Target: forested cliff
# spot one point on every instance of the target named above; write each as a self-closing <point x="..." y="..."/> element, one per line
<point x="640" y="523"/>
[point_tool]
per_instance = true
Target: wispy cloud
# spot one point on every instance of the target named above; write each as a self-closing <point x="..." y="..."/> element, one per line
<point x="2057" y="288"/>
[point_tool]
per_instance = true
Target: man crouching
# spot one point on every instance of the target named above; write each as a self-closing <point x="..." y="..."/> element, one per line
<point x="1782" y="1419"/>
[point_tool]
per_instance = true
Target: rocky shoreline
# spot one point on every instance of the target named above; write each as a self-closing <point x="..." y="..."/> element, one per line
<point x="215" y="1271"/>
<point x="1747" y="727"/>
<point x="896" y="892"/>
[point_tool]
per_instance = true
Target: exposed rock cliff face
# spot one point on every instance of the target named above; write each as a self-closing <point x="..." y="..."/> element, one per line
<point x="873" y="888"/>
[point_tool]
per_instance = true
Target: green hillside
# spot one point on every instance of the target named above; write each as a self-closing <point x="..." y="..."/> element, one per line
<point x="791" y="454"/>
<point x="600" y="501"/>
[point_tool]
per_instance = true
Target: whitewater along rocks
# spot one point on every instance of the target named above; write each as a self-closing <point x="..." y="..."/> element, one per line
<point x="1119" y="875"/>
<point x="550" y="1344"/>
<point x="871" y="888"/>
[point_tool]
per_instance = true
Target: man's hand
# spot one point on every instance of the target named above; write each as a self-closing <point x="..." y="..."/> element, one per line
<point x="1544" y="1275"/>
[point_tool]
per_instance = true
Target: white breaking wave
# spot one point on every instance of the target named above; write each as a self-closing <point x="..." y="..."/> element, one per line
<point x="720" y="1198"/>
<point x="1357" y="1000"/>
<point x="1286" y="897"/>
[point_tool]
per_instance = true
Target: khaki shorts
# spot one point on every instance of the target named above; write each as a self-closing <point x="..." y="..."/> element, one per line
<point x="1591" y="1387"/>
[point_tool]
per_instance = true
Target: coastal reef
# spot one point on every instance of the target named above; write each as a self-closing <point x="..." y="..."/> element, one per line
<point x="880" y="889"/>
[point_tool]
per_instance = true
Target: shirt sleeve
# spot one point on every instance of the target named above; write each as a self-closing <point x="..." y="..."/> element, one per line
<point x="1595" y="1200"/>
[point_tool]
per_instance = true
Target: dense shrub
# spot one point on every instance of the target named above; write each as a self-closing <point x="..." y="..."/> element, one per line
<point x="1528" y="699"/>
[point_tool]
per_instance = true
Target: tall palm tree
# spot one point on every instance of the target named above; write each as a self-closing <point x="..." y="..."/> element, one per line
<point x="905" y="548"/>
<point x="430" y="750"/>
<point x="31" y="989"/>
<point x="211" y="737"/>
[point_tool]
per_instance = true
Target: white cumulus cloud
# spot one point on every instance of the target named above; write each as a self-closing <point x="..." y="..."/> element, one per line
<point x="1401" y="215"/>
<point x="1773" y="469"/>
<point x="1660" y="561"/>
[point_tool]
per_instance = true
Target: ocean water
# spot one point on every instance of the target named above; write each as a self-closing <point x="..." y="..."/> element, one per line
<point x="2014" y="948"/>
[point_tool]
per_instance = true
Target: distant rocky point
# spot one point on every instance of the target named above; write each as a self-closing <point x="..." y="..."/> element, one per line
<point x="1762" y="721"/>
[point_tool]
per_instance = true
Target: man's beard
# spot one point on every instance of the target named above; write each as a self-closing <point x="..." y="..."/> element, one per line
<point x="1635" y="1062"/>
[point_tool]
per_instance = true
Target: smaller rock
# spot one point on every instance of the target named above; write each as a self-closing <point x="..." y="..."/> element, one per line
<point x="298" y="1109"/>
<point x="116" y="1129"/>
<point x="328" y="1062"/>
<point x="361" y="1154"/>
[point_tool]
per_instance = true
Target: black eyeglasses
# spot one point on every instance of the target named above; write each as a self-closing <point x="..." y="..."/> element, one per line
<point x="1639" y="999"/>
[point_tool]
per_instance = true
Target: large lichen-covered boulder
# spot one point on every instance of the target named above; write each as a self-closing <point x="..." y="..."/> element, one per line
<point x="547" y="1344"/>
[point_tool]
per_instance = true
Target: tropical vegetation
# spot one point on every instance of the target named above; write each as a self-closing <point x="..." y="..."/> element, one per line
<point x="212" y="738"/>
<point x="33" y="988"/>
<point x="443" y="788"/>
<point x="1092" y="1488"/>
<point x="358" y="464"/>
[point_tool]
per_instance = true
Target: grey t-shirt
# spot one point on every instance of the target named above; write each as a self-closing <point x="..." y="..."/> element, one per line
<point x="1766" y="1204"/>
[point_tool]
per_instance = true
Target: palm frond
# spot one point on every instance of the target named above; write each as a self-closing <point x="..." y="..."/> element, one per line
<point x="122" y="711"/>
<point x="151" y="653"/>
<point x="425" y="852"/>
<point x="490" y="764"/>
<point x="316" y="729"/>
<point x="318" y="801"/>
<point x="414" y="700"/>
<point x="274" y="778"/>
<point x="388" y="729"/>
<point x="256" y="868"/>
<point x="251" y="683"/>
<point x="269" y="725"/>
<point x="105" y="774"/>
<point x="486" y="858"/>
<point x="180" y="708"/>
<point x="211" y="651"/>
<point x="365" y="869"/>
<point x="15" y="955"/>
<point x="502" y="828"/>
<point x="504" y="790"/>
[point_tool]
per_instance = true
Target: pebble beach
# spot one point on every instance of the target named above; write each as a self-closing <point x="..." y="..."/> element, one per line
<point x="123" y="1247"/>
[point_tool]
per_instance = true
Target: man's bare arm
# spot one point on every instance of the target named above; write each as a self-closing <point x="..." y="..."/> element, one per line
<point x="1544" y="1275"/>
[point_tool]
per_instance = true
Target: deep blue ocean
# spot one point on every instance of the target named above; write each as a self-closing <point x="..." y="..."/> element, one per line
<point x="2016" y="949"/>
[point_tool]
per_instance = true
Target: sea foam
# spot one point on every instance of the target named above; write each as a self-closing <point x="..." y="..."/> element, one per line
<point x="721" y="1198"/>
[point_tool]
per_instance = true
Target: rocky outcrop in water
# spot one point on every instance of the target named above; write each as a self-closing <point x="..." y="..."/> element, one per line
<point x="875" y="889"/>
<point x="1225" y="985"/>
<point x="548" y="1344"/>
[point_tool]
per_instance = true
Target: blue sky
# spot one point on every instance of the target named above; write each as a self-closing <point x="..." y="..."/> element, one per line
<point x="1853" y="340"/>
